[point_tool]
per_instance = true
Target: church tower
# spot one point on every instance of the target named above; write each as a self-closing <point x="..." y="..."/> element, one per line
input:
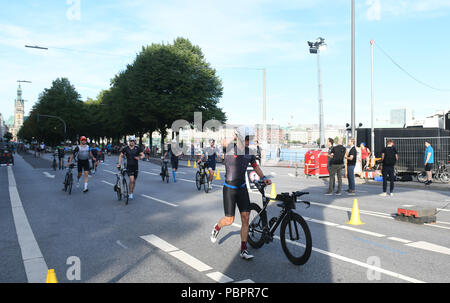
<point x="19" y="112"/>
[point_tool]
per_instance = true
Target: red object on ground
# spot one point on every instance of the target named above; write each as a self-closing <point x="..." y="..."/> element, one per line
<point x="316" y="163"/>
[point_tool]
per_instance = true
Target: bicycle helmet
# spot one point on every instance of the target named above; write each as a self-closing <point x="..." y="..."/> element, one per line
<point x="83" y="138"/>
<point x="132" y="138"/>
<point x="242" y="132"/>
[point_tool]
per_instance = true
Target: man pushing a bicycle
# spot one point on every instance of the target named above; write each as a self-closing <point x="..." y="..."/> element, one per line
<point x="237" y="158"/>
<point x="132" y="153"/>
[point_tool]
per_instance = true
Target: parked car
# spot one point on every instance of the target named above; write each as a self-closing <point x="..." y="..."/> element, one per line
<point x="6" y="157"/>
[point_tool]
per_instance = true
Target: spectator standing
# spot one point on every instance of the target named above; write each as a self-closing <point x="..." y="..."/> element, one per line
<point x="337" y="165"/>
<point x="389" y="157"/>
<point x="365" y="154"/>
<point x="351" y="162"/>
<point x="429" y="161"/>
<point x="330" y="143"/>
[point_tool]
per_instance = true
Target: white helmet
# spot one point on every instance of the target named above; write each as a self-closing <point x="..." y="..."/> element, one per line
<point x="244" y="131"/>
<point x="132" y="138"/>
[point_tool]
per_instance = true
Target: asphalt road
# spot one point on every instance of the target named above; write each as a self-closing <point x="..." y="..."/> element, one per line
<point x="163" y="234"/>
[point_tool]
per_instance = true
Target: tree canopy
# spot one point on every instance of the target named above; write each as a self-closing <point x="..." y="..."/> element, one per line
<point x="164" y="83"/>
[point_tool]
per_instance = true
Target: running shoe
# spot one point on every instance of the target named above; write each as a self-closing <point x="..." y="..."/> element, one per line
<point x="214" y="234"/>
<point x="245" y="255"/>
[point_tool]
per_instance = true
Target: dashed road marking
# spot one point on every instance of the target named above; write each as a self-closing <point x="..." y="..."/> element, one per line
<point x="158" y="200"/>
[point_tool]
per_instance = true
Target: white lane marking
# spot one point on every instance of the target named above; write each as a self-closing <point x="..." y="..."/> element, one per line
<point x="430" y="247"/>
<point x="48" y="175"/>
<point x="273" y="173"/>
<point x="320" y="222"/>
<point x="442" y="222"/>
<point x="356" y="262"/>
<point x="35" y="266"/>
<point x="160" y="243"/>
<point x="158" y="200"/>
<point x="434" y="225"/>
<point x="399" y="240"/>
<point x="190" y="260"/>
<point x="443" y="209"/>
<point x="361" y="231"/>
<point x="291" y="175"/>
<point x="111" y="172"/>
<point x="219" y="277"/>
<point x="246" y="281"/>
<point x="149" y="173"/>
<point x="121" y="245"/>
<point x="107" y="183"/>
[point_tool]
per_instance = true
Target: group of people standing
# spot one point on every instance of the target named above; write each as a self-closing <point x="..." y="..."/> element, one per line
<point x="340" y="158"/>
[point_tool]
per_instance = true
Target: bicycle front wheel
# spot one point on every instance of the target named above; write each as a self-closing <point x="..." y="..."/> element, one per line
<point x="444" y="177"/>
<point x="198" y="180"/>
<point x="70" y="180"/>
<point x="256" y="226"/>
<point x="296" y="239"/>
<point x="118" y="189"/>
<point x="125" y="190"/>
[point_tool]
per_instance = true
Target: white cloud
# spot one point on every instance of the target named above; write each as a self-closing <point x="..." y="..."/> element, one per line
<point x="374" y="10"/>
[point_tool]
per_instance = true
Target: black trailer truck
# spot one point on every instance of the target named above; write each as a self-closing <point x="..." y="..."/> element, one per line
<point x="410" y="144"/>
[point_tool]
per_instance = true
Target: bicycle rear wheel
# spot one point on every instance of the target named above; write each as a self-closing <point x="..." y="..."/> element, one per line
<point x="206" y="183"/>
<point x="163" y="173"/>
<point x="296" y="239"/>
<point x="167" y="175"/>
<point x="125" y="190"/>
<point x="256" y="226"/>
<point x="54" y="164"/>
<point x="198" y="180"/>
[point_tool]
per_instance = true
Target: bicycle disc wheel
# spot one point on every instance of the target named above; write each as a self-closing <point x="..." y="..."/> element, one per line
<point x="198" y="180"/>
<point x="125" y="190"/>
<point x="256" y="226"/>
<point x="163" y="174"/>
<point x="296" y="239"/>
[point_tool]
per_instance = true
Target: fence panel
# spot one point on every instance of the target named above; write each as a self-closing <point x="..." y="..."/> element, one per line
<point x="411" y="152"/>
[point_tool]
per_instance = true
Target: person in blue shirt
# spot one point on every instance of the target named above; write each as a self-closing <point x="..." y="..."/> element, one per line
<point x="429" y="161"/>
<point x="94" y="150"/>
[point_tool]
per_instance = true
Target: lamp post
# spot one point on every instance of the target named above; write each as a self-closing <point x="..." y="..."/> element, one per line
<point x="372" y="133"/>
<point x="315" y="48"/>
<point x="353" y="71"/>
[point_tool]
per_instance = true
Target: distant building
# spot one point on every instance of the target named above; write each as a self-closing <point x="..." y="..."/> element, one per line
<point x="3" y="127"/>
<point x="308" y="134"/>
<point x="19" y="111"/>
<point x="400" y="117"/>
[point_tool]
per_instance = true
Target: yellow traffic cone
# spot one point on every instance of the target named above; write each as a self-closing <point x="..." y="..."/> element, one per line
<point x="273" y="193"/>
<point x="195" y="164"/>
<point x="355" y="219"/>
<point x="218" y="175"/>
<point x="189" y="163"/>
<point x="51" y="276"/>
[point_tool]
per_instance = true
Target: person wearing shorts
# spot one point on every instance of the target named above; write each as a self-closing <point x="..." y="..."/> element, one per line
<point x="82" y="153"/>
<point x="237" y="158"/>
<point x="174" y="155"/>
<point x="210" y="154"/>
<point x="132" y="153"/>
<point x="429" y="161"/>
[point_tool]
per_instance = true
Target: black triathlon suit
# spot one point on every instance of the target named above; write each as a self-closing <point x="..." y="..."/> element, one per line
<point x="235" y="188"/>
<point x="132" y="163"/>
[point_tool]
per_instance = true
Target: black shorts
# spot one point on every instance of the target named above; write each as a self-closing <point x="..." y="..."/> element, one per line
<point x="132" y="171"/>
<point x="429" y="167"/>
<point x="174" y="162"/>
<point x="232" y="196"/>
<point x="83" y="165"/>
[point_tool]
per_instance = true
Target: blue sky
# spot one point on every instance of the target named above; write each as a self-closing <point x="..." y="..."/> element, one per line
<point x="239" y="38"/>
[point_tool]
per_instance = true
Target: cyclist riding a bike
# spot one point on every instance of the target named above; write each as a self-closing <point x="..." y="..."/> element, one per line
<point x="82" y="153"/>
<point x="237" y="158"/>
<point x="132" y="153"/>
<point x="210" y="154"/>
